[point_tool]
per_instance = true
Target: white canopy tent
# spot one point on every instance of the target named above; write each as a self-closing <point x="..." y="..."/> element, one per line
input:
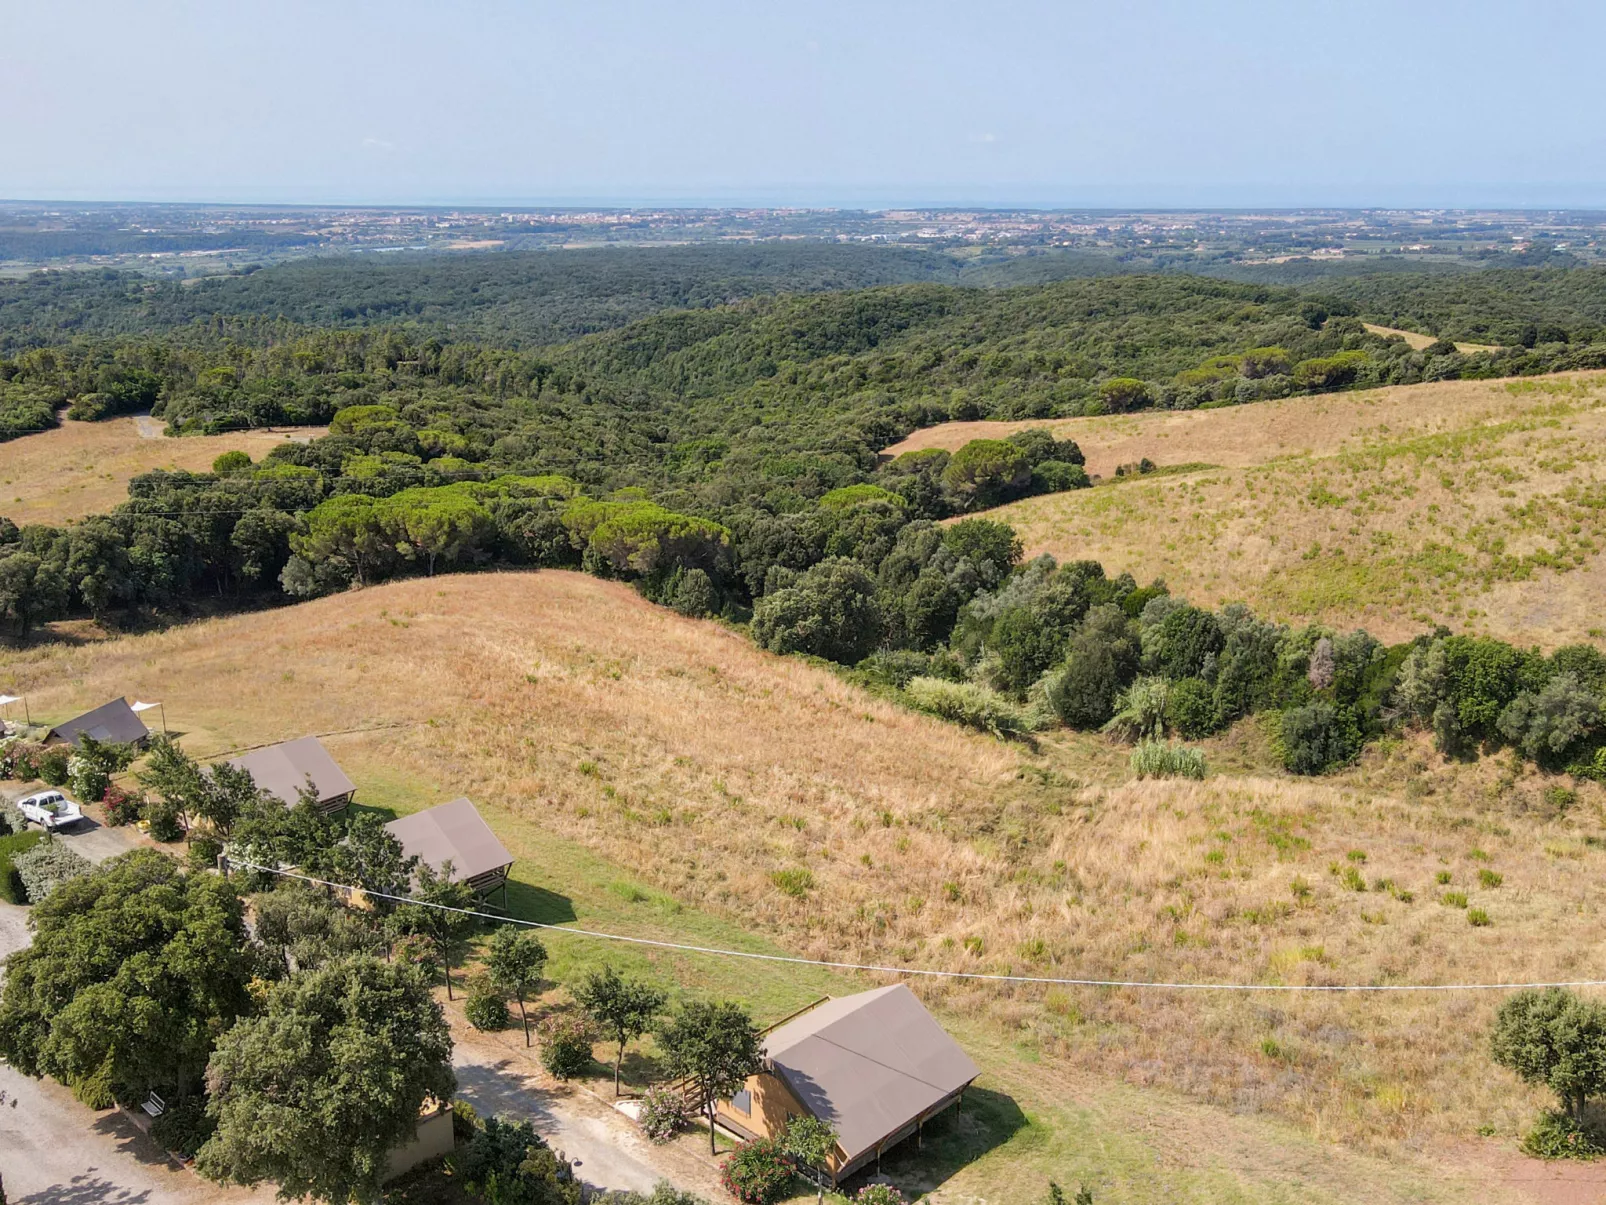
<point x="138" y="706"/>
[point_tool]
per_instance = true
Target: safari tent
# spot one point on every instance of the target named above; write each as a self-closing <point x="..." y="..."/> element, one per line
<point x="286" y="769"/>
<point x="875" y="1067"/>
<point x="453" y="832"/>
<point x="113" y="722"/>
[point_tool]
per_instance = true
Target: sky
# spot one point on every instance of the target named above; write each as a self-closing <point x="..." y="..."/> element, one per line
<point x="1138" y="103"/>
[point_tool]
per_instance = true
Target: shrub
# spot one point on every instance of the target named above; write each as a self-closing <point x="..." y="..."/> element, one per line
<point x="1159" y="759"/>
<point x="52" y="767"/>
<point x="465" y="1121"/>
<point x="163" y="816"/>
<point x="11" y="818"/>
<point x="830" y="612"/>
<point x="1140" y="711"/>
<point x="202" y="851"/>
<point x="20" y="760"/>
<point x="1548" y="722"/>
<point x="46" y="866"/>
<point x="87" y="779"/>
<point x="795" y="883"/>
<point x="1478" y="918"/>
<point x="184" y="1126"/>
<point x="878" y="1194"/>
<point x="485" y="1008"/>
<point x="1120" y="394"/>
<point x="1317" y="737"/>
<point x="123" y="808"/>
<point x="566" y="1040"/>
<point x="1558" y="1136"/>
<point x="1191" y="708"/>
<point x="664" y="1113"/>
<point x="968" y="704"/>
<point x="1083" y="693"/>
<point x="11" y="888"/>
<point x="757" y="1172"/>
<point x="231" y="462"/>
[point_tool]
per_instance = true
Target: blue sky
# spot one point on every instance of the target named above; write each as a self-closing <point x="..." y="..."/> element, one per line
<point x="1111" y="104"/>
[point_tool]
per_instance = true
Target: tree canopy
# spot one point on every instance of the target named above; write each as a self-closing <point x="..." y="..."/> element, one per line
<point x="316" y="1090"/>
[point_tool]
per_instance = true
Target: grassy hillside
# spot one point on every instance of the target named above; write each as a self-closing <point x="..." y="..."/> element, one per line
<point x="1475" y="504"/>
<point x="600" y="733"/>
<point x="81" y="469"/>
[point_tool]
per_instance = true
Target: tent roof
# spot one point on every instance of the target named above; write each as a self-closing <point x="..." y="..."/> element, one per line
<point x="451" y="832"/>
<point x="114" y="721"/>
<point x="282" y="770"/>
<point x="868" y="1064"/>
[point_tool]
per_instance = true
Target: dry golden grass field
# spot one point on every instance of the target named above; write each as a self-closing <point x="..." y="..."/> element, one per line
<point x="80" y="469"/>
<point x="1479" y="504"/>
<point x="1417" y="341"/>
<point x="652" y="773"/>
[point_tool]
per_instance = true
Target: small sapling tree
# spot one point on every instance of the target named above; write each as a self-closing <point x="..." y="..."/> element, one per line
<point x="624" y="1009"/>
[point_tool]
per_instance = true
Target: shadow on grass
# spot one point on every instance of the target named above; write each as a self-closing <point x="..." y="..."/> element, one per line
<point x="525" y="901"/>
<point x="953" y="1139"/>
<point x="354" y="809"/>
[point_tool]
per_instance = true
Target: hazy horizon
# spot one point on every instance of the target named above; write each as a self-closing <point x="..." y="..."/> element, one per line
<point x="1154" y="105"/>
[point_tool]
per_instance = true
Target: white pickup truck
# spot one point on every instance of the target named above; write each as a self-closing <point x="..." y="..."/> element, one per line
<point x="50" y="810"/>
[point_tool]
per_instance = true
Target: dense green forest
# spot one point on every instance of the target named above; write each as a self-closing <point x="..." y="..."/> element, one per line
<point x="1504" y="306"/>
<point x="513" y="299"/>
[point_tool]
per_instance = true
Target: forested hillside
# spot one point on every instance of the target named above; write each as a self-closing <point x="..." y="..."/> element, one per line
<point x="725" y="461"/>
<point x="1504" y="306"/>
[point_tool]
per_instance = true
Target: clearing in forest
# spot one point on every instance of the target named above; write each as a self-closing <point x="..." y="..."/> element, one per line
<point x="656" y="774"/>
<point x="80" y="469"/>
<point x="1477" y="504"/>
<point x="1419" y="341"/>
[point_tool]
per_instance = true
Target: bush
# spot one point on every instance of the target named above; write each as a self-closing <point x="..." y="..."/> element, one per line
<point x="46" y="866"/>
<point x="184" y="1127"/>
<point x="796" y="883"/>
<point x="968" y="704"/>
<point x="508" y="1162"/>
<point x="202" y="851"/>
<point x="123" y="808"/>
<point x="465" y="1121"/>
<point x="830" y="612"/>
<point x="20" y="760"/>
<point x="1546" y="723"/>
<point x="1190" y="708"/>
<point x="1083" y="693"/>
<point x="11" y="818"/>
<point x="566" y="1041"/>
<point x="11" y="888"/>
<point x="87" y="779"/>
<point x="757" y="1172"/>
<point x="1317" y="737"/>
<point x="485" y="1008"/>
<point x="51" y="766"/>
<point x="1159" y="759"/>
<point x="1141" y="711"/>
<point x="664" y="1113"/>
<point x="163" y="817"/>
<point x="878" y="1194"/>
<point x="1478" y="918"/>
<point x="1559" y="1136"/>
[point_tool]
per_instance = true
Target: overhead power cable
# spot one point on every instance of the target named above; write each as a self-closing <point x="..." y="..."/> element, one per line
<point x="873" y="968"/>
